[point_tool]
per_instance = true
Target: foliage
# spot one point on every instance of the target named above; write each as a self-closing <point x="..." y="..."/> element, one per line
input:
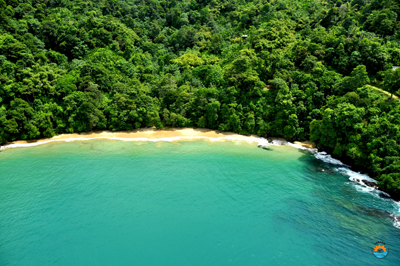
<point x="302" y="72"/>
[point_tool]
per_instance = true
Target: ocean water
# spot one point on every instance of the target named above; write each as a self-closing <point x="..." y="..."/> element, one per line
<point x="106" y="202"/>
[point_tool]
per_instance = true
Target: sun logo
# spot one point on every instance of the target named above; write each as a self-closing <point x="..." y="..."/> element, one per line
<point x="380" y="251"/>
<point x="377" y="248"/>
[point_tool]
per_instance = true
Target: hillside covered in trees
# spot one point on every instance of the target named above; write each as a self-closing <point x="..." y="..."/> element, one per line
<point x="304" y="71"/>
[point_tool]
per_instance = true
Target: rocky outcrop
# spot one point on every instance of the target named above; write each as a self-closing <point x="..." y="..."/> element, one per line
<point x="264" y="146"/>
<point x="395" y="218"/>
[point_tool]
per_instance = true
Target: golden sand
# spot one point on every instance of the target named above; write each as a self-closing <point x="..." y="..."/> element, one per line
<point x="149" y="133"/>
<point x="306" y="144"/>
<point x="153" y="133"/>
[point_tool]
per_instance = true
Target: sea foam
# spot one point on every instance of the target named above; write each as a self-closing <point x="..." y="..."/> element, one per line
<point x="358" y="178"/>
<point x="354" y="176"/>
<point x="396" y="220"/>
<point x="323" y="156"/>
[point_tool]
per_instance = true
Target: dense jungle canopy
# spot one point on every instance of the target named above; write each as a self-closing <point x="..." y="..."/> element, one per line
<point x="308" y="70"/>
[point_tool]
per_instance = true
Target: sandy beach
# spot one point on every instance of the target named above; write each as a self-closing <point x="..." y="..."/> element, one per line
<point x="151" y="134"/>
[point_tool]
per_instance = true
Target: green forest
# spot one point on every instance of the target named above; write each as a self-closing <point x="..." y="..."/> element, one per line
<point x="298" y="69"/>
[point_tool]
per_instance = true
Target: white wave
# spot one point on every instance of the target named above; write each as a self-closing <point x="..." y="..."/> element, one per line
<point x="323" y="156"/>
<point x="260" y="141"/>
<point x="396" y="223"/>
<point x="370" y="190"/>
<point x="360" y="180"/>
<point x="362" y="188"/>
<point x="396" y="207"/>
<point x="277" y="142"/>
<point x="396" y="220"/>
<point x="355" y="176"/>
<point x="396" y="214"/>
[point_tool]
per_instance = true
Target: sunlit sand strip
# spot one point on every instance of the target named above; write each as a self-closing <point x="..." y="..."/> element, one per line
<point x="150" y="134"/>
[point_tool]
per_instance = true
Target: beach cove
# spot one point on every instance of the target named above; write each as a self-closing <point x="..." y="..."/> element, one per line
<point x="158" y="199"/>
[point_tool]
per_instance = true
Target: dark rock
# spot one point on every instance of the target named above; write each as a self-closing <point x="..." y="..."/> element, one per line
<point x="369" y="183"/>
<point x="377" y="213"/>
<point x="383" y="194"/>
<point x="320" y="169"/>
<point x="372" y="211"/>
<point x="329" y="171"/>
<point x="394" y="217"/>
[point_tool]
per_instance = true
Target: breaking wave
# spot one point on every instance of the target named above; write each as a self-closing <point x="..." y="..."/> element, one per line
<point x="355" y="176"/>
<point x="323" y="156"/>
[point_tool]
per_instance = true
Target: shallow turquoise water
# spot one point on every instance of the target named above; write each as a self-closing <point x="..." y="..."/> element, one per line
<point x="103" y="202"/>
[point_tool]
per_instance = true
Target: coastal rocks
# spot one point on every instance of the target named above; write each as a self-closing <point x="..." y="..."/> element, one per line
<point x="264" y="146"/>
<point x="364" y="182"/>
<point x="377" y="213"/>
<point x="329" y="171"/>
<point x="380" y="214"/>
<point x="395" y="219"/>
<point x="384" y="195"/>
<point x="322" y="170"/>
<point x="371" y="185"/>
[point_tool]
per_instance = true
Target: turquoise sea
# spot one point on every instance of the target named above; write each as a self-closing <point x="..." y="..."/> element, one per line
<point x="106" y="202"/>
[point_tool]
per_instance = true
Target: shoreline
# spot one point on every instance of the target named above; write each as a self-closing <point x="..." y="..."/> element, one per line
<point x="151" y="134"/>
<point x="189" y="134"/>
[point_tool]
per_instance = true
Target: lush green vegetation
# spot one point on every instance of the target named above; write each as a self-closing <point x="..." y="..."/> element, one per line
<point x="302" y="73"/>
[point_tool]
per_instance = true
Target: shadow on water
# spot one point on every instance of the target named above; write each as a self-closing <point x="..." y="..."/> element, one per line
<point x="340" y="209"/>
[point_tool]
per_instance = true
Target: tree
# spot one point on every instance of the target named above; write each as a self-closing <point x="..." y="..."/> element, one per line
<point x="212" y="113"/>
<point x="302" y="72"/>
<point x="392" y="81"/>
